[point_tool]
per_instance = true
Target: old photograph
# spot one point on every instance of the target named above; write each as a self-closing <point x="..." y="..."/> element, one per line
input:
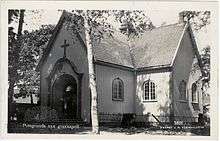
<point x="116" y="71"/>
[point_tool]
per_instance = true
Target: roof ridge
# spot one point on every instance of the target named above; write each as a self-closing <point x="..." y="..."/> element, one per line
<point x="129" y="45"/>
<point x="179" y="24"/>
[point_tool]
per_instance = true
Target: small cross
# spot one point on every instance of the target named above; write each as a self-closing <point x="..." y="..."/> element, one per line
<point x="65" y="45"/>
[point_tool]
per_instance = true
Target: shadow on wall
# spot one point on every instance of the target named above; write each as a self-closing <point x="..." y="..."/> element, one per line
<point x="140" y="108"/>
<point x="139" y="105"/>
<point x="144" y="114"/>
<point x="182" y="110"/>
<point x="141" y="119"/>
<point x="165" y="115"/>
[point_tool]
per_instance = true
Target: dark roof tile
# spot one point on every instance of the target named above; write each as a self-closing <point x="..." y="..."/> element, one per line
<point x="157" y="47"/>
<point x="113" y="49"/>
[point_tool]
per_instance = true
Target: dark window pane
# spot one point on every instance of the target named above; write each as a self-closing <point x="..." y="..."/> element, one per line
<point x="194" y="94"/>
<point x="118" y="89"/>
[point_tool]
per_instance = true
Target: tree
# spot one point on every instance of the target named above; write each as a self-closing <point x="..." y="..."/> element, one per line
<point x="94" y="24"/>
<point x="14" y="46"/>
<point x="199" y="20"/>
<point x="205" y="57"/>
<point x="12" y="15"/>
<point x="92" y="83"/>
<point x="33" y="44"/>
<point x="25" y="51"/>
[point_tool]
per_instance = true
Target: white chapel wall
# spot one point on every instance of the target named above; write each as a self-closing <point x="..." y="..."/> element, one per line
<point x="104" y="77"/>
<point x="160" y="106"/>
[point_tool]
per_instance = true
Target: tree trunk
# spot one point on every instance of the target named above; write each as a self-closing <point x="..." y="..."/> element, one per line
<point x="92" y="83"/>
<point x="13" y="72"/>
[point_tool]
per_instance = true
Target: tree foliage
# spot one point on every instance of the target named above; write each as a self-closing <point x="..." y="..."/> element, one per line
<point x="33" y="45"/>
<point x="14" y="46"/>
<point x="96" y="22"/>
<point x="198" y="19"/>
<point x="24" y="52"/>
<point x="13" y="14"/>
<point x="133" y="21"/>
<point x="205" y="57"/>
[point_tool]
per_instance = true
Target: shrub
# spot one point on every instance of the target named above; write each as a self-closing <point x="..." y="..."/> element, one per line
<point x="40" y="114"/>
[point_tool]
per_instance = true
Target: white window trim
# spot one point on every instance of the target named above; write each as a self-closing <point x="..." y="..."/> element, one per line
<point x="143" y="96"/>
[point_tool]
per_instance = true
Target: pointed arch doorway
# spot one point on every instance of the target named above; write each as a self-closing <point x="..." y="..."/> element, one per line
<point x="65" y="96"/>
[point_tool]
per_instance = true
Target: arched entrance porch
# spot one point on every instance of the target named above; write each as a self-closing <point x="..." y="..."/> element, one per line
<point x="65" y="96"/>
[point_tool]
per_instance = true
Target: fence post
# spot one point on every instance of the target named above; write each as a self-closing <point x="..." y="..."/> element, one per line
<point x="156" y="119"/>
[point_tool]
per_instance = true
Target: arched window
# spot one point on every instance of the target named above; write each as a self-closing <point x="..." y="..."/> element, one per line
<point x="194" y="92"/>
<point x="182" y="90"/>
<point x="149" y="91"/>
<point x="117" y="89"/>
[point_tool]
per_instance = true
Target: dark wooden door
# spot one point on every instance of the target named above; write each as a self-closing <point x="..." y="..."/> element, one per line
<point x="70" y="101"/>
<point x="65" y="97"/>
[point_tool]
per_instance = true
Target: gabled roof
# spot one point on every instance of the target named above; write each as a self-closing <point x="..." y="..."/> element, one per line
<point x="113" y="49"/>
<point x="154" y="49"/>
<point x="157" y="47"/>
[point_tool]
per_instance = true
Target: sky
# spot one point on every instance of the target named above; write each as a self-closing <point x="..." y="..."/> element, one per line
<point x="33" y="20"/>
<point x="52" y="17"/>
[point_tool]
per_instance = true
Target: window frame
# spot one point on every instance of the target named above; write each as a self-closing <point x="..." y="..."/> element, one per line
<point x="194" y="94"/>
<point x="183" y="90"/>
<point x="150" y="91"/>
<point x="117" y="98"/>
